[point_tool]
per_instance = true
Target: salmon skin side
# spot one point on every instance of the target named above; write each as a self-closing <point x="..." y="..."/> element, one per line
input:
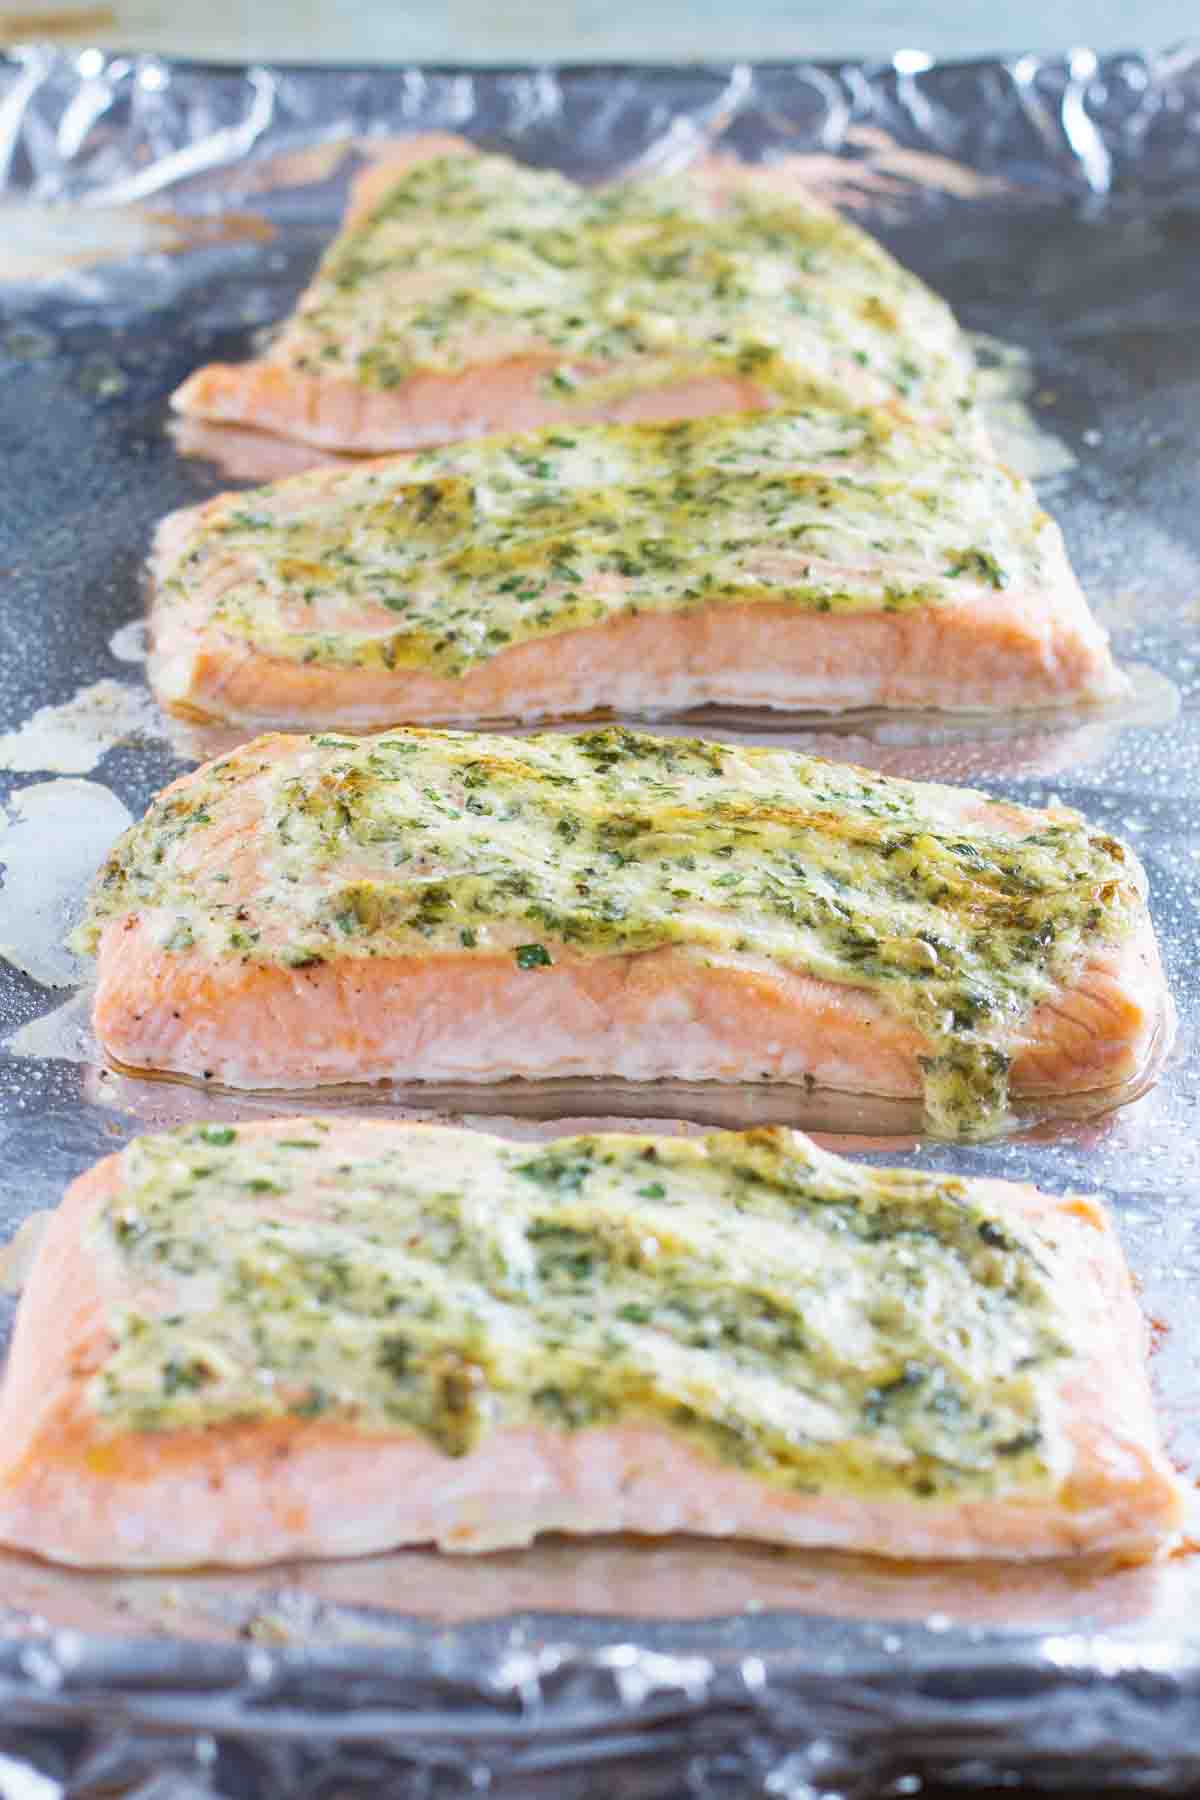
<point x="810" y="559"/>
<point x="468" y="294"/>
<point x="450" y="907"/>
<point x="312" y="1338"/>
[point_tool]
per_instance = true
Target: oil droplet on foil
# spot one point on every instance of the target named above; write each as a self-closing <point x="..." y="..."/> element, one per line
<point x="130" y="643"/>
<point x="53" y="838"/>
<point x="70" y="739"/>
<point x="64" y="1035"/>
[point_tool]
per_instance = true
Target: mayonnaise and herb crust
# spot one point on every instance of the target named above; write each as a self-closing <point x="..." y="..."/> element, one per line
<point x="616" y="842"/>
<point x="821" y="1324"/>
<point x="475" y="260"/>
<point x="440" y="561"/>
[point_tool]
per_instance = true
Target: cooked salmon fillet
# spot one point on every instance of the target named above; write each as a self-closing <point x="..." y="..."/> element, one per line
<point x="442" y="906"/>
<point x="467" y="294"/>
<point x="309" y="1338"/>
<point x="809" y="559"/>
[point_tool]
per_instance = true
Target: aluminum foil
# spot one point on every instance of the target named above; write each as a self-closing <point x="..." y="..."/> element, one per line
<point x="180" y="208"/>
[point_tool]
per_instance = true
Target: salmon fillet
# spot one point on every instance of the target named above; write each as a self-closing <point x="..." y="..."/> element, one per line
<point x="809" y="559"/>
<point x="467" y="294"/>
<point x="439" y="906"/>
<point x="308" y="1338"/>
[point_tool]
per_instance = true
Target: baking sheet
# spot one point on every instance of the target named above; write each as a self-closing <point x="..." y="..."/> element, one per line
<point x="1057" y="206"/>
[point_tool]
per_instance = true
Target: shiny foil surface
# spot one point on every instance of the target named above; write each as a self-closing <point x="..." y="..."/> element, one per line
<point x="163" y="215"/>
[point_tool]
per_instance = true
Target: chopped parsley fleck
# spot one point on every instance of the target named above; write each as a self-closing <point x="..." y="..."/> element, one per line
<point x="978" y="562"/>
